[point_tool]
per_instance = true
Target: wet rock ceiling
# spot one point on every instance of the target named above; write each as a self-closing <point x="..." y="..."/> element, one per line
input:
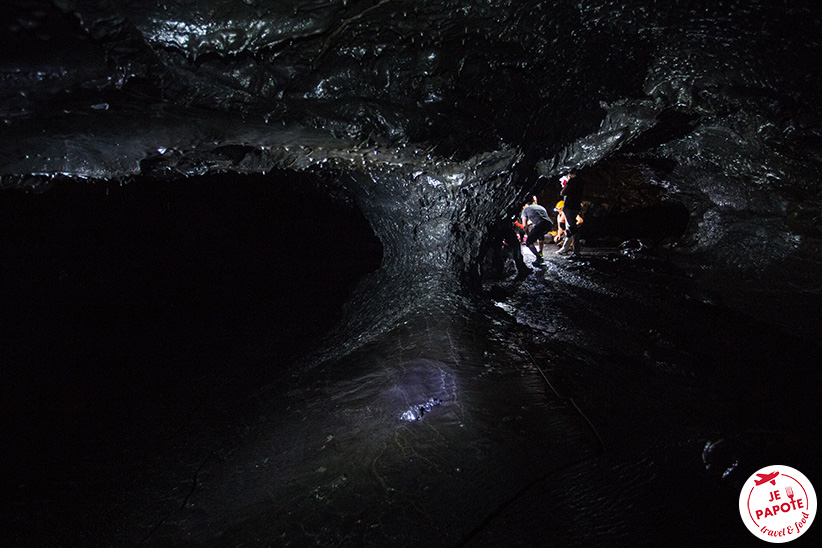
<point x="716" y="102"/>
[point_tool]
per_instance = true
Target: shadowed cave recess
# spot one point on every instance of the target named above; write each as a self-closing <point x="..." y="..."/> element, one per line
<point x="245" y="270"/>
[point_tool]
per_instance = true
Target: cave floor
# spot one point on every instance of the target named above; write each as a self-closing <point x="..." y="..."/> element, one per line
<point x="673" y="369"/>
<point x="603" y="401"/>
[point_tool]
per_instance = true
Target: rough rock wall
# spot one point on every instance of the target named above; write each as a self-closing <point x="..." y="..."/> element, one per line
<point x="718" y="99"/>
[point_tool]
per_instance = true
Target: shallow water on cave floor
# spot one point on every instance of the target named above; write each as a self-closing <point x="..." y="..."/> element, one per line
<point x="415" y="438"/>
<point x="601" y="401"/>
<point x="643" y="369"/>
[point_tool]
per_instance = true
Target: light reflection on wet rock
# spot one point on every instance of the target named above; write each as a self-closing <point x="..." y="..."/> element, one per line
<point x="422" y="385"/>
<point x="418" y="411"/>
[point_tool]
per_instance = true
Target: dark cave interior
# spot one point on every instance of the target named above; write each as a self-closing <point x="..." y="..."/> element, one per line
<point x="245" y="284"/>
<point x="126" y="305"/>
<point x="123" y="297"/>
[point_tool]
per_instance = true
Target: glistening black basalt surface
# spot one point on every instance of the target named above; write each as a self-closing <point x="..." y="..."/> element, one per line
<point x="194" y="192"/>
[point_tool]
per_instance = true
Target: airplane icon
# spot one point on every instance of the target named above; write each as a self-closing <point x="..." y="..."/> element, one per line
<point x="764" y="478"/>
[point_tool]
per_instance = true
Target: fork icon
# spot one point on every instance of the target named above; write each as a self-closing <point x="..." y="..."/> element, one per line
<point x="789" y="492"/>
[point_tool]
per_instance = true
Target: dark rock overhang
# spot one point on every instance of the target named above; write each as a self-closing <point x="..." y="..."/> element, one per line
<point x="723" y="95"/>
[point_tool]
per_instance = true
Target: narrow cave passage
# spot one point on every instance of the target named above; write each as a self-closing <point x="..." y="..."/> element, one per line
<point x="621" y="203"/>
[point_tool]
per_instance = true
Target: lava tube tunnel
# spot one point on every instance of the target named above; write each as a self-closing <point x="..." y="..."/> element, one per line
<point x="263" y="282"/>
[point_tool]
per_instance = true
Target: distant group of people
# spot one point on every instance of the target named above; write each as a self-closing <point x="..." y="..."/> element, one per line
<point x="537" y="223"/>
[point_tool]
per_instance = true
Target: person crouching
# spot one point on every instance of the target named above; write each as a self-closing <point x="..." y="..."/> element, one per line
<point x="542" y="224"/>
